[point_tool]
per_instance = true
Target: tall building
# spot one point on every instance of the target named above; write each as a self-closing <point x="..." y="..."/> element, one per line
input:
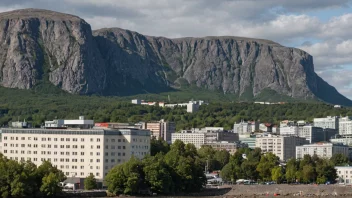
<point x="330" y="122"/>
<point x="312" y="134"/>
<point x="199" y="137"/>
<point x="77" y="152"/>
<point x="321" y="149"/>
<point x="245" y="127"/>
<point x="283" y="147"/>
<point x="161" y="129"/>
<point x="345" y="126"/>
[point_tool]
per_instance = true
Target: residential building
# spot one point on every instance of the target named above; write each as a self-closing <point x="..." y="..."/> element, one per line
<point x="207" y="135"/>
<point x="289" y="130"/>
<point x="248" y="139"/>
<point x="345" y="126"/>
<point x="246" y="127"/>
<point x="344" y="174"/>
<point x="345" y="139"/>
<point x="136" y="101"/>
<point x="312" y="134"/>
<point x="231" y="147"/>
<point x="161" y="129"/>
<point x="80" y="123"/>
<point x="282" y="146"/>
<point x="331" y="122"/>
<point x="77" y="152"/>
<point x="321" y="149"/>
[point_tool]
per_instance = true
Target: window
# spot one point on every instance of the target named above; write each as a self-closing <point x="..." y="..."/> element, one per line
<point x="67" y="160"/>
<point x="23" y="145"/>
<point x="112" y="160"/>
<point x="35" y="139"/>
<point x="82" y="153"/>
<point x="98" y="139"/>
<point x="82" y="146"/>
<point x="112" y="153"/>
<point x="98" y="153"/>
<point x="92" y="147"/>
<point x="82" y="167"/>
<point x="43" y="152"/>
<point x="62" y="139"/>
<point x="82" y="160"/>
<point x="123" y="147"/>
<point x="67" y="153"/>
<point x="5" y="137"/>
<point x="74" y="139"/>
<point x="28" y="152"/>
<point x="67" y="146"/>
<point x="49" y="139"/>
<point x="118" y="147"/>
<point x="22" y="152"/>
<point x="106" y="147"/>
<point x="91" y="153"/>
<point x="82" y="173"/>
<point x="91" y="167"/>
<point x="67" y="139"/>
<point x="5" y="144"/>
<point x="55" y="139"/>
<point x="55" y="159"/>
<point x="112" y="147"/>
<point x="23" y="138"/>
<point x="98" y="167"/>
<point x="49" y="145"/>
<point x="62" y="146"/>
<point x="34" y="152"/>
<point x="55" y="146"/>
<point x="43" y="139"/>
<point x="82" y="139"/>
<point x="119" y="140"/>
<point x="91" y="139"/>
<point x="75" y="146"/>
<point x="55" y="152"/>
<point x="35" y="145"/>
<point x="106" y="154"/>
<point x="43" y="145"/>
<point x="98" y="147"/>
<point x="91" y="160"/>
<point x="62" y="153"/>
<point x="49" y="152"/>
<point x="112" y="140"/>
<point x="98" y="160"/>
<point x="5" y="151"/>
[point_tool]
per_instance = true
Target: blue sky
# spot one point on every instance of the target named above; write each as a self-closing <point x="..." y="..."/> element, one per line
<point x="320" y="27"/>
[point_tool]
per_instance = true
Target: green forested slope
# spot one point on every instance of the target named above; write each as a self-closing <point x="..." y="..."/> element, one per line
<point x="37" y="107"/>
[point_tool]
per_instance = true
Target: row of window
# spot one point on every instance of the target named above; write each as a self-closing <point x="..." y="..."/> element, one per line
<point x="69" y="139"/>
<point x="64" y="153"/>
<point x="82" y="174"/>
<point x="63" y="146"/>
<point x="65" y="160"/>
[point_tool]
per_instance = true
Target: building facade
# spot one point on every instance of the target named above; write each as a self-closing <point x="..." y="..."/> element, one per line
<point x="206" y="135"/>
<point x="245" y="127"/>
<point x="161" y="129"/>
<point x="77" y="152"/>
<point x="289" y="130"/>
<point x="322" y="149"/>
<point x="345" y="126"/>
<point x="330" y="122"/>
<point x="344" y="174"/>
<point x="231" y="147"/>
<point x="282" y="146"/>
<point x="311" y="133"/>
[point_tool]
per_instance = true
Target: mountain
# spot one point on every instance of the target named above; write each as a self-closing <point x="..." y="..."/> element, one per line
<point x="44" y="47"/>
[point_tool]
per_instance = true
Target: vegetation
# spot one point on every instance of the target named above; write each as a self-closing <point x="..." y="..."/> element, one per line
<point x="37" y="107"/>
<point x="265" y="167"/>
<point x="90" y="182"/>
<point x="25" y="179"/>
<point x="179" y="170"/>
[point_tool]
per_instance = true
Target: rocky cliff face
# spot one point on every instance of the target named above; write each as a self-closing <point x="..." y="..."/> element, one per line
<point x="39" y="46"/>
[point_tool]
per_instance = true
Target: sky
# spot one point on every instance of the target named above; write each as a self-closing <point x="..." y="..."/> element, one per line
<point x="322" y="28"/>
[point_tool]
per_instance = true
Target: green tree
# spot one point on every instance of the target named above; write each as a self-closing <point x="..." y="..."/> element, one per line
<point x="267" y="162"/>
<point x="50" y="185"/>
<point x="291" y="169"/>
<point x="157" y="174"/>
<point x="308" y="173"/>
<point x="90" y="182"/>
<point x="227" y="173"/>
<point x="277" y="174"/>
<point x="339" y="159"/>
<point x="222" y="157"/>
<point x="157" y="146"/>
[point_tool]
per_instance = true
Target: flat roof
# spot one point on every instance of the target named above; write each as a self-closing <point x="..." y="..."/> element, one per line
<point x="138" y="132"/>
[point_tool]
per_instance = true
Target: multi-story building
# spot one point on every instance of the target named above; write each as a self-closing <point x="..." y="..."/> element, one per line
<point x="80" y="123"/>
<point x="282" y="146"/>
<point x="345" y="126"/>
<point x="344" y="174"/>
<point x="245" y="127"/>
<point x="321" y="149"/>
<point x="346" y="139"/>
<point x="312" y="134"/>
<point x="161" y="129"/>
<point x="231" y="147"/>
<point x="289" y="130"/>
<point x="77" y="152"/>
<point x="206" y="135"/>
<point x="330" y="122"/>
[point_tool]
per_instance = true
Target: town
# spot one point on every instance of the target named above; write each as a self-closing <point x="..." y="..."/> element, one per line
<point x="81" y="147"/>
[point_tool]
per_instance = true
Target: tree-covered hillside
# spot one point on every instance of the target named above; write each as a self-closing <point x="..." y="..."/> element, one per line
<point x="37" y="107"/>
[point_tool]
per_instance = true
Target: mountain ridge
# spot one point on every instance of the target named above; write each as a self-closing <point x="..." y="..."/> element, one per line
<point x="46" y="47"/>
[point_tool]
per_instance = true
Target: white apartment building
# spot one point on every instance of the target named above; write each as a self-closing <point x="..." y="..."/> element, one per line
<point x="245" y="127"/>
<point x="77" y="152"/>
<point x="330" y="122"/>
<point x="80" y="123"/>
<point x="289" y="130"/>
<point x="161" y="129"/>
<point x="322" y="149"/>
<point x="346" y="140"/>
<point x="283" y="147"/>
<point x="312" y="134"/>
<point x="344" y="174"/>
<point x="345" y="126"/>
<point x="206" y="135"/>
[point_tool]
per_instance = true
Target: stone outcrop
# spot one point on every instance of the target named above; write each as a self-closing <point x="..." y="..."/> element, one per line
<point x="38" y="46"/>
